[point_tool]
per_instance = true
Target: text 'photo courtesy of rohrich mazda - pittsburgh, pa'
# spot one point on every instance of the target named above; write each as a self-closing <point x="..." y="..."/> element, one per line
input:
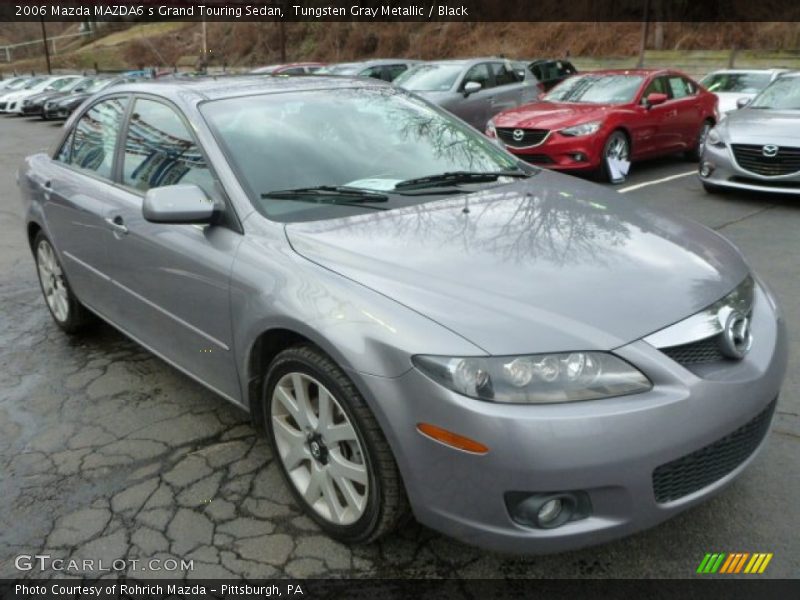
<point x="422" y="280"/>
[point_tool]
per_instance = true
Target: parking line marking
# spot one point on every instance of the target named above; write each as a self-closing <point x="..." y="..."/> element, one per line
<point x="630" y="188"/>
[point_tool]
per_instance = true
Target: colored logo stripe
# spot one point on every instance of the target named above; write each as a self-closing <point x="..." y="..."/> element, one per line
<point x="735" y="562"/>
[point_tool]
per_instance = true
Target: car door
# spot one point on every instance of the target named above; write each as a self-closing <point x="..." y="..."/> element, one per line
<point x="690" y="114"/>
<point x="509" y="88"/>
<point x="655" y="129"/>
<point x="77" y="191"/>
<point x="172" y="280"/>
<point x="476" y="108"/>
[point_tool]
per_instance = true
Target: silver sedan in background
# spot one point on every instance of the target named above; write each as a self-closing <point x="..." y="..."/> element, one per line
<point x="419" y="321"/>
<point x="473" y="89"/>
<point x="757" y="147"/>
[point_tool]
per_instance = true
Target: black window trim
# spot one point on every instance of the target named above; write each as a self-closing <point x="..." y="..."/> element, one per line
<point x="68" y="136"/>
<point x="230" y="218"/>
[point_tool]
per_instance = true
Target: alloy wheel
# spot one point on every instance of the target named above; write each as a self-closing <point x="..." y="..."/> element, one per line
<point x="53" y="283"/>
<point x="319" y="449"/>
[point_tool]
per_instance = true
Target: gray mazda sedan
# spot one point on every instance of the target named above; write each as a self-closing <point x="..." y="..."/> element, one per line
<point x="421" y="322"/>
<point x="757" y="148"/>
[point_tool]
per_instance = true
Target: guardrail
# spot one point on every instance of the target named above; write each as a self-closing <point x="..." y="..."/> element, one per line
<point x="7" y="51"/>
<point x="695" y="62"/>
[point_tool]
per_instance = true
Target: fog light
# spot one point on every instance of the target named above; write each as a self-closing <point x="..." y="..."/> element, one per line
<point x="706" y="168"/>
<point x="549" y="510"/>
<point x="579" y="157"/>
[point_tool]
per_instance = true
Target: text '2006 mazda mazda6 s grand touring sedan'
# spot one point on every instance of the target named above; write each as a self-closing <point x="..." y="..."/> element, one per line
<point x="420" y="321"/>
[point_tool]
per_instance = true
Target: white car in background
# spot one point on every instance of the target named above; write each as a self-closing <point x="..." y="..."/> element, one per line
<point x="12" y="103"/>
<point x="730" y="85"/>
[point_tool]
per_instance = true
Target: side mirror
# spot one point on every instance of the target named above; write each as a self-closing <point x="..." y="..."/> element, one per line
<point x="655" y="99"/>
<point x="184" y="203"/>
<point x="742" y="102"/>
<point x="80" y="89"/>
<point x="471" y="87"/>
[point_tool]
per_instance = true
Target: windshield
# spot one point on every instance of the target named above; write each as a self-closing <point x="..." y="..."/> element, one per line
<point x="742" y="83"/>
<point x="16" y="83"/>
<point x="366" y="138"/>
<point x="597" y="89"/>
<point x="429" y="78"/>
<point x="62" y="84"/>
<point x="35" y="82"/>
<point x="97" y="85"/>
<point x="74" y="83"/>
<point x="344" y="69"/>
<point x="782" y="94"/>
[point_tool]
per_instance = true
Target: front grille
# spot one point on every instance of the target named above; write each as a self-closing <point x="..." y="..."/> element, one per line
<point x="703" y="351"/>
<point x="530" y="137"/>
<point x="703" y="467"/>
<point x="751" y="158"/>
<point x="536" y="159"/>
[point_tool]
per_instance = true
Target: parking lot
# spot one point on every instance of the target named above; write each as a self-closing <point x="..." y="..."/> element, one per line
<point x="106" y="451"/>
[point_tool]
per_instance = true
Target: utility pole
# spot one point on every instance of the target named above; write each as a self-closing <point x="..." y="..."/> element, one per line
<point x="46" y="49"/>
<point x="645" y="27"/>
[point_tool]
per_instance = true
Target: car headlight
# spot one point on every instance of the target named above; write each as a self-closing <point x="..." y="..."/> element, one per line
<point x="491" y="130"/>
<point x="582" y="129"/>
<point x="536" y="378"/>
<point x="714" y="138"/>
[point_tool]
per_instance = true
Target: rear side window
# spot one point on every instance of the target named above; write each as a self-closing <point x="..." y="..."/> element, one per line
<point x="480" y="74"/>
<point x="372" y="72"/>
<point x="91" y="144"/>
<point x="504" y="74"/>
<point x="159" y="150"/>
<point x="680" y="87"/>
<point x="393" y="71"/>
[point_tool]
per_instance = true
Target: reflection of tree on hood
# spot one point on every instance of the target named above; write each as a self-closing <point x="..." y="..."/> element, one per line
<point x="541" y="224"/>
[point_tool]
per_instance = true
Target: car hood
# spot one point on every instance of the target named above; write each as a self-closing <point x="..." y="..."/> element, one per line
<point x="551" y="115"/>
<point x="548" y="264"/>
<point x="758" y="126"/>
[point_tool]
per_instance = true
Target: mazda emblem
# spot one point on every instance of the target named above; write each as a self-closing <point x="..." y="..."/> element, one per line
<point x="736" y="338"/>
<point x="770" y="150"/>
<point x="518" y="134"/>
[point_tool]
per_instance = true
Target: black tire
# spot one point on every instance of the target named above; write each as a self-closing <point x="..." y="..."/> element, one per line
<point x="78" y="318"/>
<point x="386" y="503"/>
<point x="695" y="153"/>
<point x="605" y="172"/>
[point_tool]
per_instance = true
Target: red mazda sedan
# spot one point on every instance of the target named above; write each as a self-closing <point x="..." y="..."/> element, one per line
<point x="603" y="120"/>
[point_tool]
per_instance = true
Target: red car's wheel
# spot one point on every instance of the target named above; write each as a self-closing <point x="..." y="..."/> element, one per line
<point x="616" y="157"/>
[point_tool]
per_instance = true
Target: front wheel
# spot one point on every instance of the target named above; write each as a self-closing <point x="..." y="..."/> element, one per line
<point x="330" y="448"/>
<point x="65" y="308"/>
<point x="697" y="151"/>
<point x="616" y="157"/>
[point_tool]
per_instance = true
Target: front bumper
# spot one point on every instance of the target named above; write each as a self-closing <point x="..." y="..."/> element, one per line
<point x="608" y="449"/>
<point x="31" y="109"/>
<point x="564" y="153"/>
<point x="727" y="173"/>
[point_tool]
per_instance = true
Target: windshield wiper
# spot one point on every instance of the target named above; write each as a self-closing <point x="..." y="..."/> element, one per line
<point x="457" y="177"/>
<point x="327" y="194"/>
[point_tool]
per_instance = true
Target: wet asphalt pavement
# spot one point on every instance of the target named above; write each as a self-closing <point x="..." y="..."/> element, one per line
<point x="107" y="452"/>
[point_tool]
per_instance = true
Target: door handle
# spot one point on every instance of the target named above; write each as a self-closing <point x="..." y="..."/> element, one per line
<point x="117" y="224"/>
<point x="48" y="188"/>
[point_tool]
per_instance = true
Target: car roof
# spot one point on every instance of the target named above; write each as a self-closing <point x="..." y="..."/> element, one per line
<point x="645" y="72"/>
<point x="770" y="71"/>
<point x="375" y="62"/>
<point x="233" y="86"/>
